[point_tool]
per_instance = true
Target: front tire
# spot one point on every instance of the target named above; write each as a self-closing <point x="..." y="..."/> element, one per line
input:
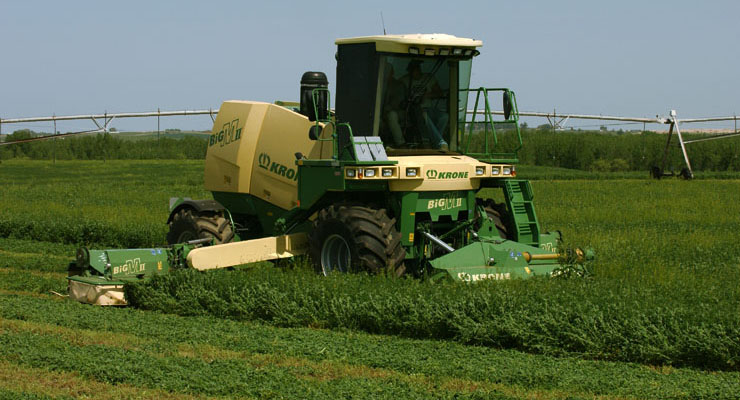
<point x="351" y="238"/>
<point x="189" y="224"/>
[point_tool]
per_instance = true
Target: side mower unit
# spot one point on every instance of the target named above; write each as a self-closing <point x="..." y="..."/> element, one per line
<point x="98" y="276"/>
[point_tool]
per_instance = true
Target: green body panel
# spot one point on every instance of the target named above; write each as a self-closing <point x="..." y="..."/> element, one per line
<point x="121" y="265"/>
<point x="550" y="241"/>
<point x="379" y="186"/>
<point x="449" y="203"/>
<point x="494" y="260"/>
<point x="315" y="180"/>
<point x="436" y="204"/>
<point x="408" y="202"/>
<point x="246" y="204"/>
<point x="240" y="203"/>
<point x="488" y="229"/>
<point x="117" y="266"/>
<point x="138" y="263"/>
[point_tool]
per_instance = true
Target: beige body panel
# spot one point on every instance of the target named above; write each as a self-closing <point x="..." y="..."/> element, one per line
<point x="101" y="295"/>
<point x="252" y="150"/>
<point x="248" y="251"/>
<point x="434" y="173"/>
<point x="223" y="170"/>
<point x="452" y="164"/>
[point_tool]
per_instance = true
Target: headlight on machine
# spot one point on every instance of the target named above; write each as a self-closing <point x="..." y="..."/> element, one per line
<point x="376" y="172"/>
<point x="480" y="170"/>
<point x="507" y="170"/>
<point x="495" y="171"/>
<point x="412" y="172"/>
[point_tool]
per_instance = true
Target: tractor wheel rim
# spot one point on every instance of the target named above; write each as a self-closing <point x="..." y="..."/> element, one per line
<point x="335" y="255"/>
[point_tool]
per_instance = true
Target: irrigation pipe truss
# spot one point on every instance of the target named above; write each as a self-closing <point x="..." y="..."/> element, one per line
<point x="656" y="172"/>
<point x="212" y="113"/>
<point x="107" y="118"/>
<point x="555" y="119"/>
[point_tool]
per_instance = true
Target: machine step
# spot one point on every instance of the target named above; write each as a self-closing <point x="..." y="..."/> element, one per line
<point x="519" y="198"/>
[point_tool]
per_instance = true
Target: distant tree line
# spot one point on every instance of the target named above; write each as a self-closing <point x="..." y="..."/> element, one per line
<point x="614" y="151"/>
<point x="583" y="150"/>
<point x="103" y="146"/>
<point x="605" y="151"/>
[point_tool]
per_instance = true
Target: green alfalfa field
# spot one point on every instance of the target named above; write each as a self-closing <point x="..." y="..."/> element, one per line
<point x="659" y="318"/>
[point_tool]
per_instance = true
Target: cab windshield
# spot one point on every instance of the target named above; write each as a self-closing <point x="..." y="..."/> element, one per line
<point x="418" y="103"/>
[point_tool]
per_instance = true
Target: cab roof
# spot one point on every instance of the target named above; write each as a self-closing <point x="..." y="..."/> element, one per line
<point x="401" y="43"/>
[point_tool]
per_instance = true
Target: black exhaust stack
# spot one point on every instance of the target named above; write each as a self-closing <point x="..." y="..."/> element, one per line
<point x="314" y="80"/>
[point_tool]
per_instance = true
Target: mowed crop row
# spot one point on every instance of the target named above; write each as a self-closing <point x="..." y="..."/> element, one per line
<point x="669" y="324"/>
<point x="124" y="352"/>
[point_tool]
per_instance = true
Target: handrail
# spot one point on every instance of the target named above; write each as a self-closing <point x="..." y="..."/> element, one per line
<point x="326" y="122"/>
<point x="489" y="123"/>
<point x="336" y="151"/>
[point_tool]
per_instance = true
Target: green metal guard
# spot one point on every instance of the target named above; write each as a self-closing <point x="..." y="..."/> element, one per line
<point x="489" y="126"/>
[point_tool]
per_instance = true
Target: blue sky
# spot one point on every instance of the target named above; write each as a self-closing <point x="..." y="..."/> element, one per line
<point x="631" y="58"/>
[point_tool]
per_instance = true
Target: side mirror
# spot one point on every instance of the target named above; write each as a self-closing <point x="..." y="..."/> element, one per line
<point x="507" y="105"/>
<point x="314" y="132"/>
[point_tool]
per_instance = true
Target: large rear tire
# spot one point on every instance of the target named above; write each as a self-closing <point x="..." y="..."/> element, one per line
<point x="189" y="224"/>
<point x="497" y="213"/>
<point x="351" y="238"/>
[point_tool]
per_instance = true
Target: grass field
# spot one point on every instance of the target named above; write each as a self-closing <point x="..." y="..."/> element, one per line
<point x="667" y="282"/>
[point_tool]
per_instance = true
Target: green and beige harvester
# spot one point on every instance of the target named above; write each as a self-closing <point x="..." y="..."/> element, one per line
<point x="386" y="182"/>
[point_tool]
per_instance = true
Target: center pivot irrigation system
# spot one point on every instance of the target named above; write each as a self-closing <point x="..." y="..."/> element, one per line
<point x="557" y="121"/>
<point x="672" y="120"/>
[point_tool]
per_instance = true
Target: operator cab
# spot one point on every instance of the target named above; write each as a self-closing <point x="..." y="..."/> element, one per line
<point x="406" y="89"/>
